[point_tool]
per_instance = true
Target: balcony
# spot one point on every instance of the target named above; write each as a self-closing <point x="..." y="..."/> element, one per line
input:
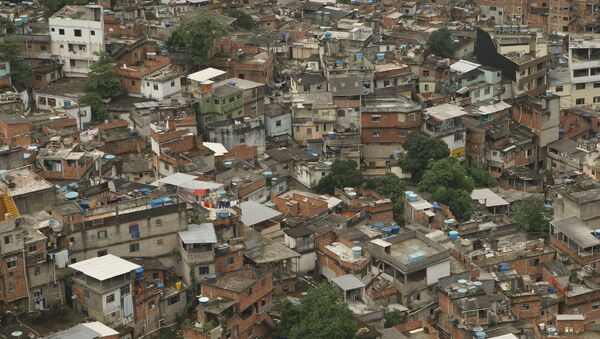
<point x="436" y="131"/>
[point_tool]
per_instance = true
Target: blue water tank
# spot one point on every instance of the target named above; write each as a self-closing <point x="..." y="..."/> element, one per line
<point x="412" y="197"/>
<point x="378" y="225"/>
<point x="133" y="133"/>
<point x="387" y="231"/>
<point x="597" y="232"/>
<point x="453" y="235"/>
<point x="145" y="190"/>
<point x="461" y="291"/>
<point x="357" y="251"/>
<point x="26" y="155"/>
<point x="478" y="284"/>
<point x="109" y="157"/>
<point x="478" y="329"/>
<point x="268" y="174"/>
<point x="380" y="56"/>
<point x="480" y="335"/>
<point x="24" y="18"/>
<point x="407" y="193"/>
<point x="84" y="204"/>
<point x="139" y="273"/>
<point x="415" y="257"/>
<point x="156" y="202"/>
<point x="328" y="34"/>
<point x="160" y="285"/>
<point x="18" y="22"/>
<point x="167" y="200"/>
<point x="395" y="229"/>
<point x="71" y="195"/>
<point x="358" y="56"/>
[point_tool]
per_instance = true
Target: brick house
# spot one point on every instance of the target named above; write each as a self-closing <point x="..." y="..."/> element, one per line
<point x="15" y="130"/>
<point x="235" y="304"/>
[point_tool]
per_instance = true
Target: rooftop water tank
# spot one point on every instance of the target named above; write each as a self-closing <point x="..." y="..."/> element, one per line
<point x="552" y="331"/>
<point x="478" y="284"/>
<point x="453" y="235"/>
<point x="407" y="193"/>
<point x="211" y="278"/>
<point x="380" y="56"/>
<point x="548" y="93"/>
<point x="203" y="300"/>
<point x="597" y="232"/>
<point x="84" y="203"/>
<point x="268" y="174"/>
<point x="160" y="285"/>
<point x="462" y="282"/>
<point x="356" y="252"/>
<point x="358" y="56"/>
<point x="480" y="335"/>
<point x="461" y="291"/>
<point x="395" y="229"/>
<point x="139" y="273"/>
<point x="478" y="329"/>
<point x="412" y="197"/>
<point x="109" y="157"/>
<point x="71" y="195"/>
<point x="387" y="231"/>
<point x="397" y="154"/>
<point x="378" y="225"/>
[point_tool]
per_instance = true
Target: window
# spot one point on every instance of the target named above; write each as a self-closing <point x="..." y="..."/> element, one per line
<point x="173" y="300"/>
<point x="596" y="99"/>
<point x="125" y="290"/>
<point x="7" y="239"/>
<point x="425" y="73"/>
<point x="528" y="153"/>
<point x="278" y="123"/>
<point x="486" y="91"/>
<point x="38" y="77"/>
<point x="155" y="87"/>
<point x="229" y="261"/>
<point x="596" y="84"/>
<point x="134" y="247"/>
<point x="160" y="242"/>
<point x="61" y="31"/>
<point x="77" y="32"/>
<point x="155" y="275"/>
<point x="11" y="262"/>
<point x="53" y="29"/>
<point x="375" y="117"/>
<point x="158" y="222"/>
<point x="172" y="83"/>
<point x="375" y="133"/>
<point x="249" y="292"/>
<point x="242" y="140"/>
<point x="151" y="305"/>
<point x="37" y="271"/>
<point x="84" y="312"/>
<point x="580" y="101"/>
<point x="458" y="137"/>
<point x="203" y="270"/>
<point x="341" y="113"/>
<point x="525" y="307"/>
<point x="101" y="235"/>
<point x="217" y="102"/>
<point x="134" y="230"/>
<point x="595" y="306"/>
<point x="477" y="93"/>
<point x="101" y="253"/>
<point x="110" y="298"/>
<point x="32" y="248"/>
<point x="93" y="32"/>
<point x="411" y="117"/>
<point x="559" y="88"/>
<point x="132" y="82"/>
<point x="579" y="86"/>
<point x="232" y="99"/>
<point x="86" y="293"/>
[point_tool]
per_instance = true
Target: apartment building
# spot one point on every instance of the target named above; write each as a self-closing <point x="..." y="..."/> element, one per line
<point x="584" y="68"/>
<point x="103" y="290"/>
<point x="385" y="123"/>
<point x="313" y="115"/>
<point x="519" y="53"/>
<point x="77" y="32"/>
<point x="142" y="226"/>
<point x="234" y="304"/>
<point x="445" y="122"/>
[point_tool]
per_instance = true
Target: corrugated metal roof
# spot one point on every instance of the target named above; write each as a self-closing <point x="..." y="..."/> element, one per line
<point x="254" y="213"/>
<point x="348" y="282"/>
<point x="199" y="234"/>
<point x="578" y="231"/>
<point x="177" y="179"/>
<point x="206" y="74"/>
<point x="104" y="267"/>
<point x="487" y="196"/>
<point x="464" y="66"/>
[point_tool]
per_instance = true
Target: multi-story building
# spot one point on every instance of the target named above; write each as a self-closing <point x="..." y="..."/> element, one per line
<point x="313" y="115"/>
<point x="77" y="33"/>
<point x="445" y="122"/>
<point x="414" y="263"/>
<point x="234" y="304"/>
<point x="521" y="55"/>
<point x="584" y="68"/>
<point x="385" y="123"/>
<point x="140" y="227"/>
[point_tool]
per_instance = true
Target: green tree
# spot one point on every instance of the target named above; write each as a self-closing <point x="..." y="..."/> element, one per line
<point x="392" y="318"/>
<point x="20" y="70"/>
<point x="196" y="36"/>
<point x="440" y="43"/>
<point x="419" y="150"/>
<point x="449" y="183"/>
<point x="243" y="21"/>
<point x="102" y="78"/>
<point x="321" y="315"/>
<point x="391" y="187"/>
<point x="344" y="173"/>
<point x="481" y="177"/>
<point x="530" y="216"/>
<point x="99" y="110"/>
<point x="6" y="25"/>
